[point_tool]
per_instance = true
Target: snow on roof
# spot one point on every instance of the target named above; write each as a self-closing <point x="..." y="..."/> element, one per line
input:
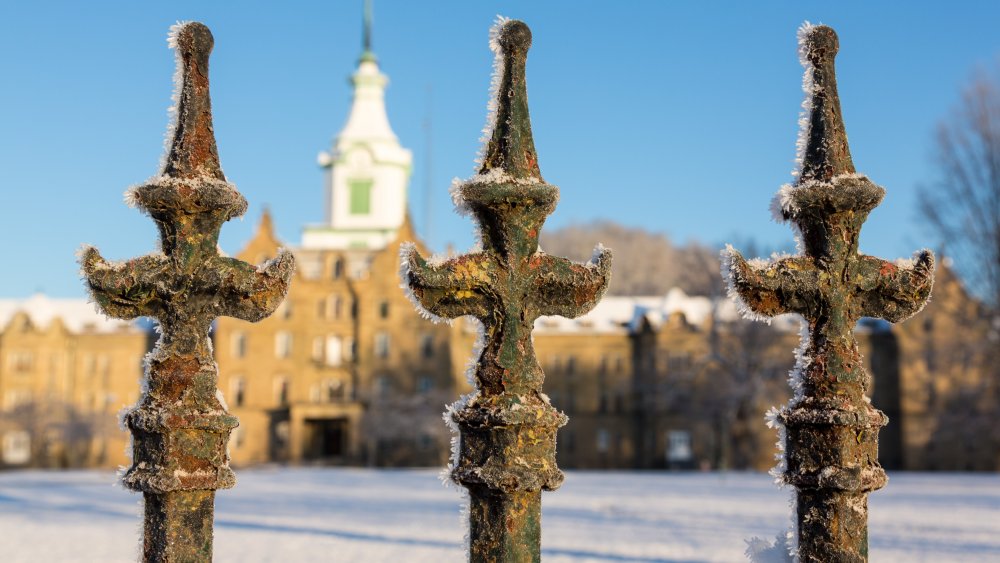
<point x="623" y="314"/>
<point x="77" y="315"/>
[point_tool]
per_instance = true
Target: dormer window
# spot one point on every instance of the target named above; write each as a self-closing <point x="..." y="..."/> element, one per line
<point x="361" y="196"/>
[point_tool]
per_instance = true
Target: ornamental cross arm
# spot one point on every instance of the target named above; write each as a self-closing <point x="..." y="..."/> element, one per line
<point x="450" y="289"/>
<point x="774" y="287"/>
<point x="567" y="288"/>
<point x="894" y="291"/>
<point x="125" y="290"/>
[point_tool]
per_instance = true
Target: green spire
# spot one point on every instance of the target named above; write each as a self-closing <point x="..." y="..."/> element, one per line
<point x="366" y="34"/>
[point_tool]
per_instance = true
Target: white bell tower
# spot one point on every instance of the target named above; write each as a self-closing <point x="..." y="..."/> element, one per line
<point x="367" y="170"/>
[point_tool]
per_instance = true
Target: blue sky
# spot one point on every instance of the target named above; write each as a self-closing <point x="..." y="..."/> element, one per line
<point x="677" y="117"/>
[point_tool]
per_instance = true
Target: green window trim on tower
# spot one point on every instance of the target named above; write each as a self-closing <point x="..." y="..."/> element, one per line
<point x="361" y="196"/>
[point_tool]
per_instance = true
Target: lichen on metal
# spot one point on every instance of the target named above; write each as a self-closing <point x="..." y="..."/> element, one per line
<point x="180" y="429"/>
<point x="506" y="451"/>
<point x="830" y="426"/>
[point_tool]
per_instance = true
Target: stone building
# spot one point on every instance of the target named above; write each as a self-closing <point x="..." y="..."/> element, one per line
<point x="65" y="372"/>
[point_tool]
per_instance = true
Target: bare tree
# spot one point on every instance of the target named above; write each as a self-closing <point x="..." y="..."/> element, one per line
<point x="646" y="263"/>
<point x="962" y="205"/>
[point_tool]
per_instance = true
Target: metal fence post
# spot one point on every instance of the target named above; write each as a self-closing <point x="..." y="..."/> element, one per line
<point x="830" y="427"/>
<point x="506" y="450"/>
<point x="180" y="428"/>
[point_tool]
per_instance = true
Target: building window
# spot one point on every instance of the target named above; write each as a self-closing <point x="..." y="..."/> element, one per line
<point x="281" y="390"/>
<point x="603" y="440"/>
<point x="16" y="447"/>
<point x="334" y="350"/>
<point x="321" y="309"/>
<point x="14" y="398"/>
<point x="602" y="393"/>
<point x="317" y="349"/>
<point x="333" y="390"/>
<point x="238" y="344"/>
<point x="426" y="441"/>
<point x="350" y="349"/>
<point x="354" y="309"/>
<point x="338" y="268"/>
<point x="238" y="388"/>
<point x="285" y="309"/>
<point x="427" y="345"/>
<point x="570" y="365"/>
<point x="383" y="310"/>
<point x="383" y="385"/>
<point x="424" y="384"/>
<point x="382" y="345"/>
<point x="21" y="361"/>
<point x="237" y="438"/>
<point x="283" y="344"/>
<point x="679" y="446"/>
<point x="104" y="365"/>
<point x="361" y="196"/>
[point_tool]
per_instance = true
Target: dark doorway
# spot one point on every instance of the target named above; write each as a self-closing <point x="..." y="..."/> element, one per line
<point x="325" y="438"/>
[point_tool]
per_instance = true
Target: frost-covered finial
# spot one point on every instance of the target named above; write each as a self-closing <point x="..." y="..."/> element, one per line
<point x="511" y="147"/>
<point x="829" y="430"/>
<point x="506" y="452"/>
<point x="192" y="151"/>
<point x="180" y="428"/>
<point x="826" y="153"/>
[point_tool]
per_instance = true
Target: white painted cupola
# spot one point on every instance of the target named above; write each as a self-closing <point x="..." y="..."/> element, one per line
<point x="367" y="171"/>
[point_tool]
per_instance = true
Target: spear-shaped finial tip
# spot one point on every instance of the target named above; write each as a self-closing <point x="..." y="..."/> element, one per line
<point x="514" y="36"/>
<point x="820" y="43"/>
<point x="510" y="145"/>
<point x="192" y="151"/>
<point x="192" y="38"/>
<point x="825" y="153"/>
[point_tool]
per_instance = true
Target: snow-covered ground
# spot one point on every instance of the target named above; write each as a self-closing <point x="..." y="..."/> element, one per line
<point x="280" y="514"/>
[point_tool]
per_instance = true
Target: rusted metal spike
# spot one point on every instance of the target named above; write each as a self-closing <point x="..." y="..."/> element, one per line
<point x="193" y="153"/>
<point x="826" y="152"/>
<point x="180" y="428"/>
<point x="830" y="427"/>
<point x="508" y="427"/>
<point x="512" y="147"/>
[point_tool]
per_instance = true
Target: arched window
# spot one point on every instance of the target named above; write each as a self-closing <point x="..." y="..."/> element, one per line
<point x="281" y="390"/>
<point x="238" y="344"/>
<point x="337" y="306"/>
<point x="334" y="350"/>
<point x="283" y="344"/>
<point x="237" y="390"/>
<point x="382" y="345"/>
<point x="427" y="345"/>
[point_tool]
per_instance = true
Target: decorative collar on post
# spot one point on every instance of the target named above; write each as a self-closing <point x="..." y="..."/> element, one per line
<point x="505" y="455"/>
<point x="829" y="430"/>
<point x="180" y="428"/>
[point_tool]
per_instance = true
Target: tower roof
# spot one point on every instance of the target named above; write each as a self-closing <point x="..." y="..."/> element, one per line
<point x="368" y="120"/>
